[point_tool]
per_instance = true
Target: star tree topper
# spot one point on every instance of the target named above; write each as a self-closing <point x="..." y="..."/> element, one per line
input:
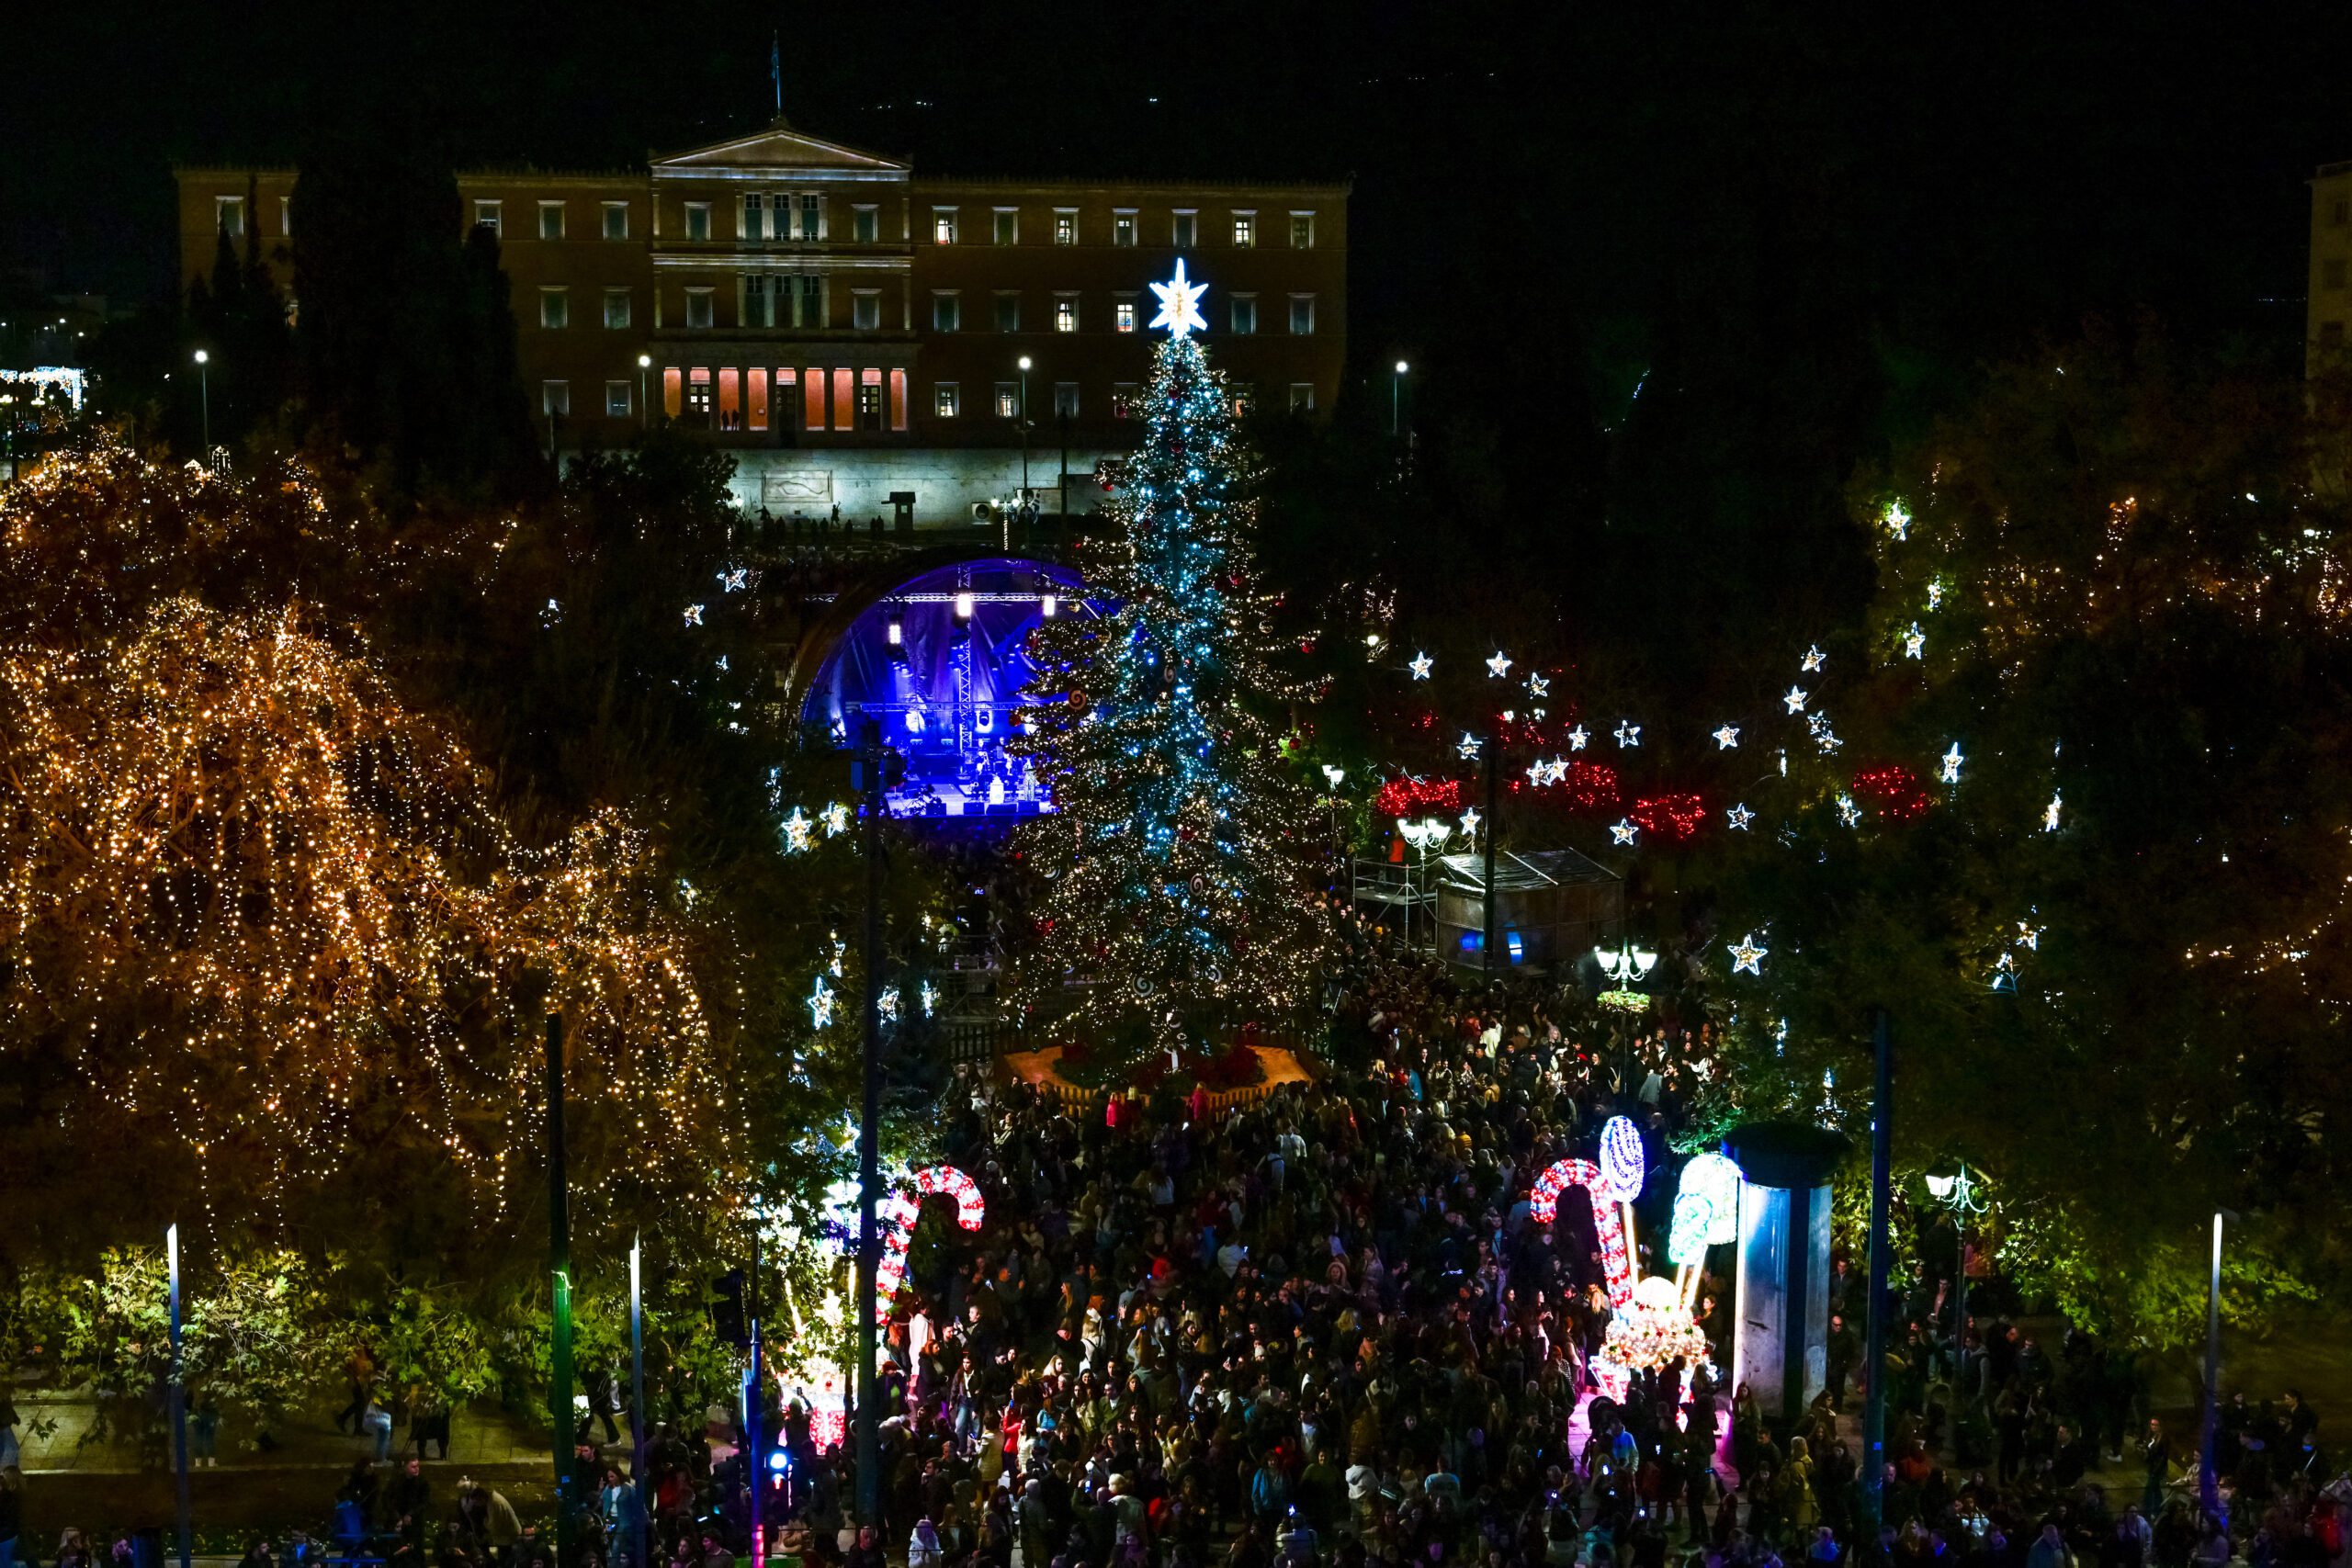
<point x="1180" y="304"/>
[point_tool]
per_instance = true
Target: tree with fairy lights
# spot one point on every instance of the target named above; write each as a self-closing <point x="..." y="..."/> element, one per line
<point x="1178" y="863"/>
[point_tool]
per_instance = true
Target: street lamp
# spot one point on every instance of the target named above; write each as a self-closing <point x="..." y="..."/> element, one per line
<point x="1397" y="397"/>
<point x="204" y="386"/>
<point x="1958" y="1194"/>
<point x="644" y="410"/>
<point x="1024" y="441"/>
<point x="1627" y="964"/>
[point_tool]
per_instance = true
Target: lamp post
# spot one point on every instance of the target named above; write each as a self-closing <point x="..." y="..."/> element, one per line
<point x="638" y="1479"/>
<point x="644" y="409"/>
<point x="1958" y="1194"/>
<point x="1397" y="397"/>
<point x="179" y="1392"/>
<point x="204" y="390"/>
<point x="1335" y="777"/>
<point x="1024" y="447"/>
<point x="2209" y="1486"/>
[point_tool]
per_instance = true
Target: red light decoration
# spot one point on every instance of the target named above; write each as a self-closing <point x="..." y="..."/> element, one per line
<point x="1418" y="798"/>
<point x="1676" y="817"/>
<point x="1895" y="789"/>
<point x="1592" y="787"/>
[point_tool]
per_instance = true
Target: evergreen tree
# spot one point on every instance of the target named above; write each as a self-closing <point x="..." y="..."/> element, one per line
<point x="1180" y="864"/>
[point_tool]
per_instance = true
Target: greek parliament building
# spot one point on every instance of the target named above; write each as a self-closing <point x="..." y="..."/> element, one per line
<point x="862" y="336"/>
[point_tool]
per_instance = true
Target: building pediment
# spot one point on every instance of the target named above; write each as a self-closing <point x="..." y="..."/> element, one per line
<point x="780" y="150"/>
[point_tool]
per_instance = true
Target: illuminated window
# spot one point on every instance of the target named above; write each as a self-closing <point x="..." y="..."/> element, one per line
<point x="490" y="215"/>
<point x="755" y="400"/>
<point x="617" y="302"/>
<point x="1301" y="315"/>
<point x="1241" y="400"/>
<point x="761" y="297"/>
<point x="617" y="220"/>
<point x="1123" y="313"/>
<point x="1008" y="400"/>
<point x="1183" y="230"/>
<point x="550" y="220"/>
<point x="898" y="400"/>
<point x="730" y="400"/>
<point x="787" y="389"/>
<point x="946" y="312"/>
<point x="845" y="397"/>
<point x="812" y="215"/>
<point x="865" y="225"/>
<point x="1244" y="229"/>
<point x="865" y="309"/>
<point x="616" y="400"/>
<point x="229" y="215"/>
<point x="1065" y="225"/>
<point x="555" y="398"/>
<point x="1302" y="397"/>
<point x="699" y="310"/>
<point x="672" y="379"/>
<point x="1122" y="228"/>
<point x="1065" y="399"/>
<point x="869" y="402"/>
<point x="2330" y="273"/>
<point x="812" y="399"/>
<point x="946" y="399"/>
<point x="1302" y="230"/>
<point x="1008" y="226"/>
<point x="698" y="396"/>
<point x="1245" y="314"/>
<point x="285" y="215"/>
<point x="752" y="222"/>
<point x="1008" y="313"/>
<point x="554" y="307"/>
<point x="1123" y="400"/>
<point x="698" y="220"/>
<point x="1065" y="312"/>
<point x="943" y="225"/>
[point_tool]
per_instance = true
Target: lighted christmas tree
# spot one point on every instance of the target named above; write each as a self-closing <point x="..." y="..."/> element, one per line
<point x="1179" y="866"/>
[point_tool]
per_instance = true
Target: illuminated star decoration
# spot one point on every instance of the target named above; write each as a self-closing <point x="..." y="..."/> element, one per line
<point x="887" y="1004"/>
<point x="1621" y="831"/>
<point x="1727" y="738"/>
<point x="1795" y="699"/>
<point x="1747" y="958"/>
<point x="1180" y="304"/>
<point x="1577" y="737"/>
<point x="1935" y="593"/>
<point x="797" y="831"/>
<point x="1421" y="666"/>
<point x="836" y="820"/>
<point x="1740" y="817"/>
<point x="1470" y="821"/>
<point x="1814" y="659"/>
<point x="1499" y="665"/>
<point x="821" y="1004"/>
<point x="1847" y="812"/>
<point x="1628" y="734"/>
<point x="929" y="997"/>
<point x="551" y="615"/>
<point x="1467" y="747"/>
<point x="1915" y="642"/>
<point x="2050" y="813"/>
<point x="1951" y="760"/>
<point x="733" y="581"/>
<point x="1537" y="686"/>
<point x="1898" y="522"/>
<point x="2029" y="936"/>
<point x="693" y="614"/>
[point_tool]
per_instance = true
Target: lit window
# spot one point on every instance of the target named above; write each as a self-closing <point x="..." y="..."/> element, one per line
<point x="698" y="220"/>
<point x="869" y="400"/>
<point x="550" y="220"/>
<point x="943" y="225"/>
<point x="1123" y="229"/>
<point x="1064" y="226"/>
<point x="1123" y="400"/>
<point x="1065" y="399"/>
<point x="812" y="215"/>
<point x="865" y="309"/>
<point x="946" y="399"/>
<point x="865" y="225"/>
<point x="229" y="215"/>
<point x="1244" y="229"/>
<point x="616" y="220"/>
<point x="617" y="404"/>
<point x="1301" y="315"/>
<point x="754" y="223"/>
<point x="1008" y="226"/>
<point x="1240" y="402"/>
<point x="1302" y="397"/>
<point x="1245" y="314"/>
<point x="698" y="311"/>
<point x="616" y="307"/>
<point x="1008" y="313"/>
<point x="1008" y="400"/>
<point x="555" y="397"/>
<point x="1182" y="230"/>
<point x="1065" y="312"/>
<point x="1302" y="230"/>
<point x="946" y="312"/>
<point x="555" y="308"/>
<point x="2330" y="273"/>
<point x="1123" y="315"/>
<point x="490" y="215"/>
<point x="285" y="215"/>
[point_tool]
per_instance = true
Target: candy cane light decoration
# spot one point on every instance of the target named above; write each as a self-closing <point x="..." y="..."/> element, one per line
<point x="898" y="1219"/>
<point x="1616" y="1264"/>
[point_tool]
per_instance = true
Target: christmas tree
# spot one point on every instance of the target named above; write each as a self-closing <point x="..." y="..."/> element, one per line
<point x="1180" y="865"/>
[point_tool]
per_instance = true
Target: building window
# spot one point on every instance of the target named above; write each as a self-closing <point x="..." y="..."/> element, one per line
<point x="1123" y="400"/>
<point x="617" y="404"/>
<point x="810" y="311"/>
<point x="490" y="215"/>
<point x="616" y="220"/>
<point x="946" y="399"/>
<point x="1301" y="315"/>
<point x="812" y="214"/>
<point x="555" y="398"/>
<point x="698" y="396"/>
<point x="2330" y="273"/>
<point x="866" y="224"/>
<point x="1123" y="313"/>
<point x="943" y="225"/>
<point x="285" y="215"/>
<point x="1302" y="230"/>
<point x="617" y="302"/>
<point x="1065" y="225"/>
<point x="229" y="215"/>
<point x="752" y="222"/>
<point x="1008" y="226"/>
<point x="698" y="220"/>
<point x="1008" y="400"/>
<point x="2340" y="212"/>
<point x="865" y="309"/>
<point x="1245" y="230"/>
<point x="1245" y="314"/>
<point x="1183" y="230"/>
<point x="1240" y="402"/>
<point x="698" y="313"/>
<point x="555" y="308"/>
<point x="1302" y="397"/>
<point x="758" y="300"/>
<point x="1122" y="228"/>
<point x="550" y="220"/>
<point x="946" y="312"/>
<point x="1065" y="399"/>
<point x="869" y="400"/>
<point x="1065" y="312"/>
<point x="1008" y="313"/>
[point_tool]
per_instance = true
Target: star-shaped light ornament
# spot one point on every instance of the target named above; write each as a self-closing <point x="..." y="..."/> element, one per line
<point x="1814" y="659"/>
<point x="1628" y="734"/>
<point x="1470" y="821"/>
<point x="836" y="820"/>
<point x="1621" y="831"/>
<point x="1795" y="699"/>
<point x="887" y="1004"/>
<point x="1747" y="958"/>
<point x="798" y="832"/>
<point x="1499" y="665"/>
<point x="1727" y="738"/>
<point x="1577" y="737"/>
<point x="821" y="1004"/>
<point x="1898" y="522"/>
<point x="1467" y="747"/>
<point x="693" y="614"/>
<point x="1951" y="762"/>
<point x="1915" y="642"/>
<point x="1537" y="686"/>
<point x="2050" y="813"/>
<point x="1421" y="666"/>
<point x="1935" y="593"/>
<point x="1740" y="817"/>
<point x="734" y="580"/>
<point x="1180" y="304"/>
<point x="2029" y="936"/>
<point x="1847" y="812"/>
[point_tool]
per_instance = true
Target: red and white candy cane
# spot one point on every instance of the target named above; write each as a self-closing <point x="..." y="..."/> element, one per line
<point x="898" y="1219"/>
<point x="1544" y="1202"/>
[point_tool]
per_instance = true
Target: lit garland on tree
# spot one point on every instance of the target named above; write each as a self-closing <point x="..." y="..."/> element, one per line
<point x="1181" y="862"/>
